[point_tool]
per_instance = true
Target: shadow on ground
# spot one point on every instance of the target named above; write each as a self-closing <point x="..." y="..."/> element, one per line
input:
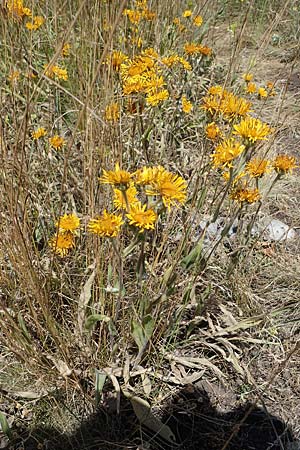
<point x="195" y="422"/>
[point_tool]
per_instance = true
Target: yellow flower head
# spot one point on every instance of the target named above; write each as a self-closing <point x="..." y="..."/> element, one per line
<point x="262" y="93"/>
<point x="68" y="223"/>
<point x="141" y="217"/>
<point x="187" y="106"/>
<point x="17" y="9"/>
<point x="37" y="22"/>
<point x="248" y="77"/>
<point x="54" y="71"/>
<point x="284" y="164"/>
<point x="233" y="106"/>
<point x="14" y="76"/>
<point x="65" y="51"/>
<point x="112" y="112"/>
<point x="171" y="188"/>
<point x="133" y="16"/>
<point x="117" y="177"/>
<point x="251" y="88"/>
<point x="57" y="142"/>
<point x="256" y="167"/>
<point x="212" y="131"/>
<point x="116" y="59"/>
<point x="61" y="243"/>
<point x="198" y="21"/>
<point x="126" y="198"/>
<point x="148" y="175"/>
<point x="107" y="225"/>
<point x="226" y="152"/>
<point x="157" y="97"/>
<point x="193" y="49"/>
<point x="245" y="195"/>
<point x="217" y="90"/>
<point x="252" y="129"/>
<point x="187" y="13"/>
<point x="40" y="132"/>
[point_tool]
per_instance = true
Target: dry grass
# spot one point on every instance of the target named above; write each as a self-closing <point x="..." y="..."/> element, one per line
<point x="170" y="311"/>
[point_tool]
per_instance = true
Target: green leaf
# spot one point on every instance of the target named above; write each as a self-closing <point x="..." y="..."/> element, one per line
<point x="144" y="414"/>
<point x="4" y="425"/>
<point x="194" y="256"/>
<point x="23" y="327"/>
<point x="99" y="383"/>
<point x="141" y="333"/>
<point x="94" y="318"/>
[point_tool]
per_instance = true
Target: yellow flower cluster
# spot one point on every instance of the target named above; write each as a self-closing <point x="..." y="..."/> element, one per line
<point x="230" y="106"/>
<point x="194" y="49"/>
<point x="262" y="92"/>
<point x="64" y="238"/>
<point x="17" y="9"/>
<point x="54" y="71"/>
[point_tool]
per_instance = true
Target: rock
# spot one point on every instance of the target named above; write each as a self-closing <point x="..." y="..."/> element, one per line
<point x="274" y="230"/>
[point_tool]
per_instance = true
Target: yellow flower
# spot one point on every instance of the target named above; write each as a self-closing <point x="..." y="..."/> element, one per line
<point x="126" y="198"/>
<point x="116" y="59"/>
<point x="148" y="175"/>
<point x="142" y="218"/>
<point x="187" y="106"/>
<point x="243" y="194"/>
<point x="107" y="225"/>
<point x="117" y="177"/>
<point x="232" y="106"/>
<point x="157" y="97"/>
<point x="57" y="142"/>
<point x="251" y="88"/>
<point x="206" y="51"/>
<point x="14" y="76"/>
<point x="17" y="9"/>
<point x="68" y="223"/>
<point x="284" y="164"/>
<point x="187" y="13"/>
<point x="212" y="131"/>
<point x="257" y="167"/>
<point x="61" y="243"/>
<point x="262" y="93"/>
<point x="65" y="51"/>
<point x="37" y="22"/>
<point x="226" y="152"/>
<point x="212" y="104"/>
<point x="133" y="16"/>
<point x="171" y="188"/>
<point x="248" y="77"/>
<point x="216" y="90"/>
<point x="185" y="64"/>
<point x="40" y="132"/>
<point x="198" y="21"/>
<point x="252" y="129"/>
<point x="56" y="71"/>
<point x="112" y="112"/>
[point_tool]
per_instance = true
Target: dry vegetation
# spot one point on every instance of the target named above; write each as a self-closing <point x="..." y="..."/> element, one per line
<point x="138" y="156"/>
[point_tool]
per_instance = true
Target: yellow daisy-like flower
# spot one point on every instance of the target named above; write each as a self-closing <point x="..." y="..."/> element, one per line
<point x="216" y="90"/>
<point x="141" y="217"/>
<point x="233" y="106"/>
<point x="57" y="142"/>
<point x="262" y="93"/>
<point x="248" y="77"/>
<point x="65" y="51"/>
<point x="68" y="223"/>
<point x="252" y="129"/>
<point x="148" y="175"/>
<point x="107" y="225"/>
<point x="40" y="132"/>
<point x="157" y="97"/>
<point x="37" y="22"/>
<point x="126" y="198"/>
<point x="212" y="131"/>
<point x="112" y="112"/>
<point x="243" y="194"/>
<point x="17" y="9"/>
<point x="117" y="177"/>
<point x="171" y="188"/>
<point x="116" y="59"/>
<point x="284" y="164"/>
<point x="251" y="88"/>
<point x="226" y="152"/>
<point x="56" y="71"/>
<point x="187" y="13"/>
<point x="61" y="243"/>
<point x="256" y="167"/>
<point x="187" y="106"/>
<point x="198" y="20"/>
<point x="14" y="76"/>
